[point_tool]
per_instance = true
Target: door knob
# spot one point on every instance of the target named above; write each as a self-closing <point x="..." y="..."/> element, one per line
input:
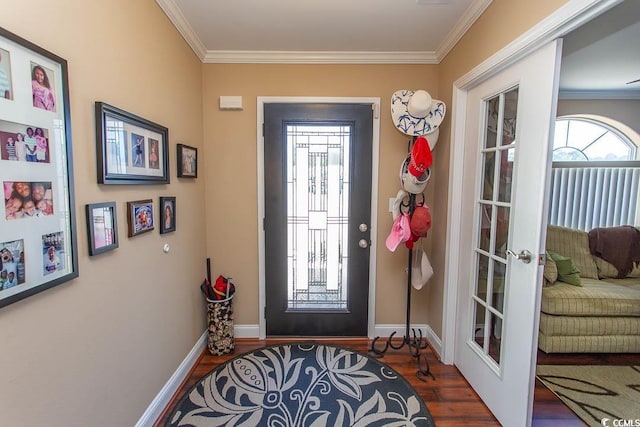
<point x="524" y="256"/>
<point x="363" y="227"/>
<point x="363" y="243"/>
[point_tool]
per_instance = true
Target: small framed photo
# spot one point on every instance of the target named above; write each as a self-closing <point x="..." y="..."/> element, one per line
<point x="167" y="214"/>
<point x="140" y="217"/>
<point x="102" y="227"/>
<point x="187" y="161"/>
<point x="131" y="150"/>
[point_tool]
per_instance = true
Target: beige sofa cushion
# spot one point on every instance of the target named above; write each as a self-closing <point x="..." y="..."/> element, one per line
<point x="588" y="325"/>
<point x="594" y="298"/>
<point x="573" y="244"/>
<point x="607" y="270"/>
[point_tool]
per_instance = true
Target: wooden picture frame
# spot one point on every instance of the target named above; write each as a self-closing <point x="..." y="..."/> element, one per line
<point x="140" y="217"/>
<point x="102" y="227"/>
<point x="167" y="214"/>
<point x="130" y="149"/>
<point x="38" y="247"/>
<point x="187" y="161"/>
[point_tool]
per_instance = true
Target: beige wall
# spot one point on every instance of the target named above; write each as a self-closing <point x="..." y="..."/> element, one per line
<point x="232" y="207"/>
<point x="95" y="351"/>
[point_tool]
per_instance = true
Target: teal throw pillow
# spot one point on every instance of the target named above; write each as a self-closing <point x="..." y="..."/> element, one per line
<point x="567" y="271"/>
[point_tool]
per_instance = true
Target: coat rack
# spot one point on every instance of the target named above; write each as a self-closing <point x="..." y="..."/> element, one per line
<point x="414" y="341"/>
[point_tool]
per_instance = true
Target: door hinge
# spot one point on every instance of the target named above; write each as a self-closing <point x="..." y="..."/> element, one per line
<point x="263" y="130"/>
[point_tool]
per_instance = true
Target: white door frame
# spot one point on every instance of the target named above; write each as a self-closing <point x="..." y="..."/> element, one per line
<point x="567" y="18"/>
<point x="375" y="162"/>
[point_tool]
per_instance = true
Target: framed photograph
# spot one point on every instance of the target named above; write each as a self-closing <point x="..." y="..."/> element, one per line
<point x="140" y="217"/>
<point x="38" y="246"/>
<point x="130" y="149"/>
<point x="167" y="214"/>
<point x="102" y="227"/>
<point x="187" y="161"/>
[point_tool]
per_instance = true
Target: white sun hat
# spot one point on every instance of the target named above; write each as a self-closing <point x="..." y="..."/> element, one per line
<point x="411" y="183"/>
<point x="415" y="113"/>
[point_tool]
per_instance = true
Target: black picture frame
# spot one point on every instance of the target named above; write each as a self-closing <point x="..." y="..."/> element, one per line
<point x="187" y="161"/>
<point x="125" y="145"/>
<point x="167" y="214"/>
<point x="35" y="256"/>
<point x="102" y="227"/>
<point x="140" y="217"/>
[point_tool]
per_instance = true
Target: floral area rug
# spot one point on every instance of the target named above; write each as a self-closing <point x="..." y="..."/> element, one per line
<point x="302" y="385"/>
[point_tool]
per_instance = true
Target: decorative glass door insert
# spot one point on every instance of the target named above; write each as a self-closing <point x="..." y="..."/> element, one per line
<point x="317" y="216"/>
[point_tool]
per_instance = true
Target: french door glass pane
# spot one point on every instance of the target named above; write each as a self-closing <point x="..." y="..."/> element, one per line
<point x="494" y="207"/>
<point x="317" y="216"/>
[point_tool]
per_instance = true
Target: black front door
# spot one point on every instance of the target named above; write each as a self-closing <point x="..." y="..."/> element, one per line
<point x="317" y="163"/>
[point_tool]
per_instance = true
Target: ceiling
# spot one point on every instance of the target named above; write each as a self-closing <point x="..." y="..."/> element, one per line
<point x="599" y="58"/>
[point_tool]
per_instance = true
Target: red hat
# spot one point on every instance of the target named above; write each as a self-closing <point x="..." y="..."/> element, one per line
<point x="420" y="221"/>
<point x="421" y="157"/>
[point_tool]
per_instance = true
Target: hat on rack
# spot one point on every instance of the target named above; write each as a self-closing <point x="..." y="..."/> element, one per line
<point x="400" y="232"/>
<point x="409" y="182"/>
<point x="421" y="269"/>
<point x="395" y="212"/>
<point x="421" y="157"/>
<point x="420" y="222"/>
<point x="415" y="113"/>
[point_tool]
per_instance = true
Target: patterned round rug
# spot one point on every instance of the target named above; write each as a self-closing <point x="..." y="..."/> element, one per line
<point x="302" y="385"/>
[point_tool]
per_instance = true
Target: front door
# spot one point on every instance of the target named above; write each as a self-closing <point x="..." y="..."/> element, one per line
<point x="317" y="179"/>
<point x="509" y="121"/>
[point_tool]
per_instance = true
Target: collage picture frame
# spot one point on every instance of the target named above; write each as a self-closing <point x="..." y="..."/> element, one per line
<point x="130" y="149"/>
<point x="38" y="247"/>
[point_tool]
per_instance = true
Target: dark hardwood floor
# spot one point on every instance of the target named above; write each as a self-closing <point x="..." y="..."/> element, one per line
<point x="450" y="399"/>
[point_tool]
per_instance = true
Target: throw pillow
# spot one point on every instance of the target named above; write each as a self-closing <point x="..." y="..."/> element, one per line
<point x="550" y="270"/>
<point x="567" y="271"/>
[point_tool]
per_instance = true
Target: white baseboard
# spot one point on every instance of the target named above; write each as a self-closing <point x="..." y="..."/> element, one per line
<point x="246" y="331"/>
<point x="164" y="397"/>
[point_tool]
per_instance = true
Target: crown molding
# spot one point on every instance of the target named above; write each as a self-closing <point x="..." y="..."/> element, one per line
<point x="175" y="15"/>
<point x="599" y="94"/>
<point x="473" y="12"/>
<point x="311" y="57"/>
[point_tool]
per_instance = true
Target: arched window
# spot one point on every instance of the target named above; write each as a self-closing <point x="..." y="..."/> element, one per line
<point x="591" y="138"/>
<point x="595" y="173"/>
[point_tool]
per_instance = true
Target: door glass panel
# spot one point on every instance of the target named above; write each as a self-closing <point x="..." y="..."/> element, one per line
<point x="499" y="272"/>
<point x="478" y="328"/>
<point x="493" y="110"/>
<point x="495" y="336"/>
<point x="488" y="165"/>
<point x="506" y="175"/>
<point x="501" y="236"/>
<point x="483" y="275"/>
<point x="317" y="216"/>
<point x="486" y="213"/>
<point x="497" y="151"/>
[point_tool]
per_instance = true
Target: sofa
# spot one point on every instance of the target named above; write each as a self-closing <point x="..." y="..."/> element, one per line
<point x="601" y="314"/>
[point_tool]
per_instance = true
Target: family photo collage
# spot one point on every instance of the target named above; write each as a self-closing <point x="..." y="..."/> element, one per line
<point x="35" y="229"/>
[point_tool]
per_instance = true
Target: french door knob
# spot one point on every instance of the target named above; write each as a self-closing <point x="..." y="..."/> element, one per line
<point x="524" y="256"/>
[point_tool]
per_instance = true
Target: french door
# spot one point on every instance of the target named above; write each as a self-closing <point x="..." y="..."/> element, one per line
<point x="509" y="121"/>
<point x="317" y="179"/>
